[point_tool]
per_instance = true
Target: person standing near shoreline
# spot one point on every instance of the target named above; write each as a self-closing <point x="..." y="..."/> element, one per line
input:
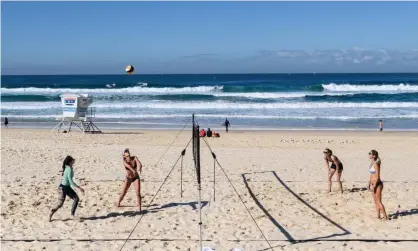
<point x="380" y="125"/>
<point x="227" y="124"/>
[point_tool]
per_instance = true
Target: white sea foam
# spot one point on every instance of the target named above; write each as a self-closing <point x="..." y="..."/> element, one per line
<point x="142" y="89"/>
<point x="217" y="91"/>
<point x="170" y="105"/>
<point x="230" y="105"/>
<point x="142" y="84"/>
<point x="262" y="95"/>
<point x="370" y="88"/>
<point x="278" y="95"/>
<point x="128" y="91"/>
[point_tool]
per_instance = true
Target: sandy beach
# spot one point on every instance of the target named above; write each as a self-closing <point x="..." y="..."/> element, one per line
<point x="280" y="175"/>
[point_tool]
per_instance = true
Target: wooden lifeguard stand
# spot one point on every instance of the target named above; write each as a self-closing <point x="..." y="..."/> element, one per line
<point x="76" y="113"/>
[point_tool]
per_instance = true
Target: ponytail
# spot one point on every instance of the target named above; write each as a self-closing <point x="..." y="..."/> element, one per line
<point x="66" y="162"/>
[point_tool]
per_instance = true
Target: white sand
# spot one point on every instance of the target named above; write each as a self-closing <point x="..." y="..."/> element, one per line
<point x="32" y="159"/>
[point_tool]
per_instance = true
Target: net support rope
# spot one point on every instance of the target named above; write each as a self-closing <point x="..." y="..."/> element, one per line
<point x="182" y="129"/>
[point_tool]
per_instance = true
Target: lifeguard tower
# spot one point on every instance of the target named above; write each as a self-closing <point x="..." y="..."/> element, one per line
<point x="76" y="113"/>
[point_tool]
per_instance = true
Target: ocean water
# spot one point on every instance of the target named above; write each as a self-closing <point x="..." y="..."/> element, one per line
<point x="249" y="101"/>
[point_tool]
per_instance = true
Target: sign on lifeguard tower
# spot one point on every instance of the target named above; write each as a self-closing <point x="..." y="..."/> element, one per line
<point x="75" y="105"/>
<point x="75" y="112"/>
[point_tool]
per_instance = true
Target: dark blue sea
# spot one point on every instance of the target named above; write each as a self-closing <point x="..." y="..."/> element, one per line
<point x="249" y="101"/>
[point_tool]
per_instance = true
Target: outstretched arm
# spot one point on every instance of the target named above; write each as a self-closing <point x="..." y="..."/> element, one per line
<point x="377" y="167"/>
<point x="69" y="173"/>
<point x="138" y="164"/>
<point x="326" y="163"/>
<point x="369" y="184"/>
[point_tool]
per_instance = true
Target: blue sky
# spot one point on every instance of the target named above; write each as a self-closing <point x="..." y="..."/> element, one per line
<point x="208" y="37"/>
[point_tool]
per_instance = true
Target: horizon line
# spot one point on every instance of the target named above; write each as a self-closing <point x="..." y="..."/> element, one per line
<point x="259" y="73"/>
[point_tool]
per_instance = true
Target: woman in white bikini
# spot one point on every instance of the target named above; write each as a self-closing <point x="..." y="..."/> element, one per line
<point x="375" y="184"/>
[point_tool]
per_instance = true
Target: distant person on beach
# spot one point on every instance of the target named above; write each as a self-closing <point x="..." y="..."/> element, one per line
<point x="380" y="125"/>
<point x="65" y="187"/>
<point x="227" y="124"/>
<point x="209" y="133"/>
<point x="375" y="184"/>
<point x="131" y="164"/>
<point x="6" y="122"/>
<point x="336" y="167"/>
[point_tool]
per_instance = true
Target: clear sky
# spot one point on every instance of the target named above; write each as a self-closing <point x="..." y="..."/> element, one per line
<point x="208" y="37"/>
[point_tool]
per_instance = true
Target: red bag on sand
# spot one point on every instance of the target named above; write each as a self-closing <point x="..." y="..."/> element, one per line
<point x="202" y="133"/>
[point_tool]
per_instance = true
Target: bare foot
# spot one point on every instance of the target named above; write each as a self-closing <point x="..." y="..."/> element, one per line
<point x="117" y="204"/>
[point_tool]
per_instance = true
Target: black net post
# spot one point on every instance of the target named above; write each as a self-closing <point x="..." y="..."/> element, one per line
<point x="194" y="140"/>
<point x="196" y="157"/>
<point x="196" y="150"/>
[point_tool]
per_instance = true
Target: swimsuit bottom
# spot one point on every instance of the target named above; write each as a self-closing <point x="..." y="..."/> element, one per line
<point x="133" y="179"/>
<point x="340" y="166"/>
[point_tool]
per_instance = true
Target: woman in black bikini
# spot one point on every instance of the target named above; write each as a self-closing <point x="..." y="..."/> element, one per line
<point x="336" y="167"/>
<point x="375" y="184"/>
<point x="131" y="163"/>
